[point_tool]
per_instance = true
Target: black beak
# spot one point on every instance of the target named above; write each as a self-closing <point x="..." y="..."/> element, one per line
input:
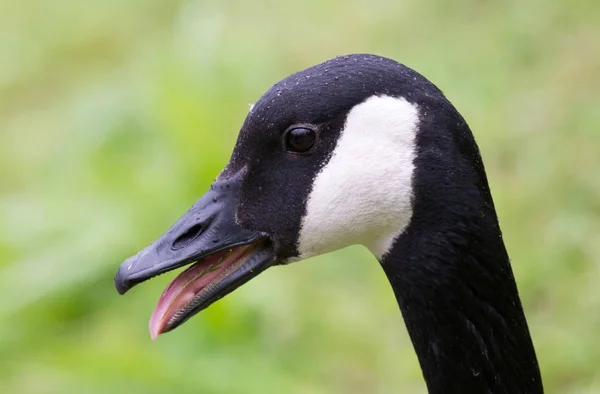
<point x="208" y="228"/>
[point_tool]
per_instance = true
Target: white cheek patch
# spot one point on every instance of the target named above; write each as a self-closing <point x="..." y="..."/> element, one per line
<point x="363" y="194"/>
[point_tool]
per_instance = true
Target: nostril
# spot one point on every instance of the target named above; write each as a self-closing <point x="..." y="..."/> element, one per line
<point x="188" y="237"/>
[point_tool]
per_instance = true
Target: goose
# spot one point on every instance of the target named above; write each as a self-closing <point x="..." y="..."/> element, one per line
<point x="361" y="150"/>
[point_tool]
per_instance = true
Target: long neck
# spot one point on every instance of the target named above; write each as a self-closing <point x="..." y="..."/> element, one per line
<point x="460" y="303"/>
<point x="453" y="281"/>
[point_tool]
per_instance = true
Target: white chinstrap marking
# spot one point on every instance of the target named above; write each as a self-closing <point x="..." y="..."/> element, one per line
<point x="363" y="194"/>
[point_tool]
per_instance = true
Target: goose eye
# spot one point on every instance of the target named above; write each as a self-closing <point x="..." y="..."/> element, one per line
<point x="300" y="139"/>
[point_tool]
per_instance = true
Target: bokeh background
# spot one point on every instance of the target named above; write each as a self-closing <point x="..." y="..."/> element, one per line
<point x="116" y="115"/>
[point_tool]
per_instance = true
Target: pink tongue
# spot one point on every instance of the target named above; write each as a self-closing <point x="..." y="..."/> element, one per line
<point x="189" y="283"/>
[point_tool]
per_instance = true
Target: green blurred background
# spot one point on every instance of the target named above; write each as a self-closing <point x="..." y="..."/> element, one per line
<point x="115" y="116"/>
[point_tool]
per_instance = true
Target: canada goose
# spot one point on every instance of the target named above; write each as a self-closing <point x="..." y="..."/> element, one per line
<point x="360" y="150"/>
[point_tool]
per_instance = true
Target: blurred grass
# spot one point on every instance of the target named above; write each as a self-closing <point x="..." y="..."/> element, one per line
<point x="115" y="117"/>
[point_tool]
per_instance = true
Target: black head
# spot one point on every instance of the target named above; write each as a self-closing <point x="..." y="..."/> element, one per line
<point x="324" y="159"/>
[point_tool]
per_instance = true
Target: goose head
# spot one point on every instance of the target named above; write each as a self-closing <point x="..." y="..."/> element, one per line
<point x="323" y="160"/>
<point x="356" y="150"/>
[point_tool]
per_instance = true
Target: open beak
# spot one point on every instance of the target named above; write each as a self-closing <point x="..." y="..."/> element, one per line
<point x="221" y="254"/>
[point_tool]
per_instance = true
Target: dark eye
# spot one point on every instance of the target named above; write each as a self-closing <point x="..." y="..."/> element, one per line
<point x="300" y="139"/>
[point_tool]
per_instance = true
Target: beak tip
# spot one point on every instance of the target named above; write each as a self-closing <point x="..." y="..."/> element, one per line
<point x="122" y="284"/>
<point x="120" y="288"/>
